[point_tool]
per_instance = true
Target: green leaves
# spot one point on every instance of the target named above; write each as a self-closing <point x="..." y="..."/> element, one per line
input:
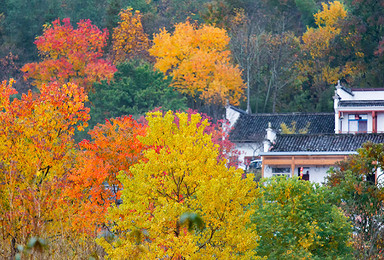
<point x="361" y="197"/>
<point x="35" y="244"/>
<point x="191" y="220"/>
<point x="295" y="219"/>
<point x="135" y="89"/>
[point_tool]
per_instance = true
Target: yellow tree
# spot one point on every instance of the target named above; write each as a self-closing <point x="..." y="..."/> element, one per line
<point x="317" y="48"/>
<point x="36" y="153"/>
<point x="180" y="174"/>
<point x="199" y="61"/>
<point x="129" y="39"/>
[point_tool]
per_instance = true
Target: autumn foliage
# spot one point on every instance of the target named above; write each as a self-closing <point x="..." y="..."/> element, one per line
<point x="36" y="152"/>
<point x="199" y="61"/>
<point x="70" y="55"/>
<point x="317" y="47"/>
<point x="358" y="183"/>
<point x="129" y="39"/>
<point x="179" y="174"/>
<point x="93" y="186"/>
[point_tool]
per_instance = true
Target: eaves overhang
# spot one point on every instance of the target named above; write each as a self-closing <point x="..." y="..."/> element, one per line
<point x="306" y="153"/>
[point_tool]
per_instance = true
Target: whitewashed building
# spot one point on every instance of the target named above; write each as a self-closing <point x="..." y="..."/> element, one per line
<point x="330" y="137"/>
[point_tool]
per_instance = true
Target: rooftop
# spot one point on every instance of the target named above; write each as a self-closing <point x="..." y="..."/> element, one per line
<point x="361" y="103"/>
<point x="323" y="142"/>
<point x="251" y="128"/>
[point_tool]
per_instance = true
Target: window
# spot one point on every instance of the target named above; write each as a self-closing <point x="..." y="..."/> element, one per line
<point x="357" y="123"/>
<point x="303" y="172"/>
<point x="278" y="171"/>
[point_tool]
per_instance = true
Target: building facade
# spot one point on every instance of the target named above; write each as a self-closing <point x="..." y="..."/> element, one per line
<point x="327" y="137"/>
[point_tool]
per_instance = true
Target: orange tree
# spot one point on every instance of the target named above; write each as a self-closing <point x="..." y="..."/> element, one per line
<point x="198" y="60"/>
<point x="129" y="39"/>
<point x="36" y="154"/>
<point x="93" y="186"/>
<point x="70" y="55"/>
<point x="180" y="173"/>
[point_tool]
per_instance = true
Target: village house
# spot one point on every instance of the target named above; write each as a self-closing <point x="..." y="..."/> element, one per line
<point x="326" y="138"/>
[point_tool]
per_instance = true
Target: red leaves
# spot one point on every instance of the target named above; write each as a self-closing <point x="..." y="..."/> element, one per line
<point x="36" y="154"/>
<point x="93" y="184"/>
<point x="71" y="55"/>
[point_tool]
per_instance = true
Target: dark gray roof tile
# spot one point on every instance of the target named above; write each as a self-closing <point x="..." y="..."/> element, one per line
<point x="361" y="103"/>
<point x="251" y="128"/>
<point x="323" y="142"/>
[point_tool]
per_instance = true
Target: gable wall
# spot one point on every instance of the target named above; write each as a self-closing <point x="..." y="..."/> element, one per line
<point x="247" y="150"/>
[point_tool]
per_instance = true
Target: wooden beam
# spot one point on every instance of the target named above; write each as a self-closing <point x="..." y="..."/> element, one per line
<point x="374" y="122"/>
<point x="292" y="166"/>
<point x="292" y="161"/>
<point x="262" y="167"/>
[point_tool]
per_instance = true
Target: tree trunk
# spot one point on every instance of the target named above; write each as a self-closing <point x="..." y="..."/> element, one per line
<point x="13" y="248"/>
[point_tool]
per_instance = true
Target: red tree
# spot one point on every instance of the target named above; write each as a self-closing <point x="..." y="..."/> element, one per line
<point x="93" y="184"/>
<point x="70" y="55"/>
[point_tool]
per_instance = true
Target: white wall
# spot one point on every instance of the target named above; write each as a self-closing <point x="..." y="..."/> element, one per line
<point x="380" y="122"/>
<point x="231" y="115"/>
<point x="316" y="173"/>
<point x="247" y="150"/>
<point x="343" y="123"/>
<point x="368" y="95"/>
<point x="361" y="94"/>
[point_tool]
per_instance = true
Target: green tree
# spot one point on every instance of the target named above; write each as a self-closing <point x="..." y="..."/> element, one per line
<point x="296" y="220"/>
<point x="159" y="14"/>
<point x="24" y="21"/>
<point x="135" y="89"/>
<point x="317" y="68"/>
<point x="361" y="197"/>
<point x="363" y="33"/>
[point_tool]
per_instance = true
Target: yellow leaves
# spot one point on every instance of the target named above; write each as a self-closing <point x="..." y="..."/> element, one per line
<point x="317" y="47"/>
<point x="180" y="173"/>
<point x="292" y="130"/>
<point x="331" y="14"/>
<point x="316" y="41"/>
<point x="6" y="90"/>
<point x="198" y="59"/>
<point x="36" y="151"/>
<point x="359" y="54"/>
<point x="128" y="37"/>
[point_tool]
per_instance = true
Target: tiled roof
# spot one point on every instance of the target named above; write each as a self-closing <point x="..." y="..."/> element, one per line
<point x="251" y="128"/>
<point x="361" y="103"/>
<point x="323" y="142"/>
<point x="367" y="89"/>
<point x="237" y="109"/>
<point x="349" y="91"/>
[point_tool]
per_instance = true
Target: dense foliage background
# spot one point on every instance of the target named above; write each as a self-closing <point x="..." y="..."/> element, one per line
<point x="84" y="166"/>
<point x="268" y="42"/>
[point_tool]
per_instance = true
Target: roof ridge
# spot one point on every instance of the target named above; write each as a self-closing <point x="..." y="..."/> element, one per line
<point x="331" y="134"/>
<point x="291" y="113"/>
